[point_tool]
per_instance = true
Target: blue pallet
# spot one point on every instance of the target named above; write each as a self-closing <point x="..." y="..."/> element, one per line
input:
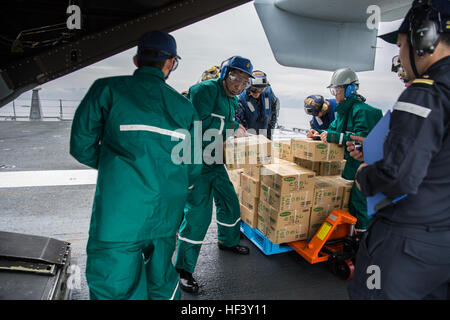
<point x="261" y="241"/>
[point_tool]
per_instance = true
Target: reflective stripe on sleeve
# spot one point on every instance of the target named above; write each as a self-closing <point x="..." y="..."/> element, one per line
<point x="341" y="138"/>
<point x="412" y="108"/>
<point x="142" y="127"/>
<point x="222" y="121"/>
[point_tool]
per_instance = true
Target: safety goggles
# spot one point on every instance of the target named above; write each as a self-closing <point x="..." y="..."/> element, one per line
<point x="257" y="89"/>
<point x="312" y="111"/>
<point x="170" y="56"/>
<point x="336" y="90"/>
<point x="238" y="80"/>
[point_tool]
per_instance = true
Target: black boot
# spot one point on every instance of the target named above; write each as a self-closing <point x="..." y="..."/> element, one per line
<point x="187" y="281"/>
<point x="235" y="249"/>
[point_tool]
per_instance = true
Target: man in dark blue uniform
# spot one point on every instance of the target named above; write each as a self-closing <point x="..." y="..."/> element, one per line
<point x="258" y="106"/>
<point x="405" y="253"/>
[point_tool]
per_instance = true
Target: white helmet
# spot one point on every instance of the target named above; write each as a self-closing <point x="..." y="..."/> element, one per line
<point x="344" y="76"/>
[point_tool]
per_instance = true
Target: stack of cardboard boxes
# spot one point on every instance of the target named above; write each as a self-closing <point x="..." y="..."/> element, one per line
<point x="249" y="154"/>
<point x="289" y="187"/>
<point x="285" y="203"/>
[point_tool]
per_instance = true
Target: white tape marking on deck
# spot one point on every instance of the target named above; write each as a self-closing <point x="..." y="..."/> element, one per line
<point x="17" y="179"/>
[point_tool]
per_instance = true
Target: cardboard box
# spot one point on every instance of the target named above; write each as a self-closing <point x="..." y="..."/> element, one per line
<point x="250" y="185"/>
<point x="250" y="217"/>
<point x="278" y="219"/>
<point x="282" y="149"/>
<point x="235" y="166"/>
<point x="250" y="201"/>
<point x="317" y="217"/>
<point x="287" y="178"/>
<point x="308" y="164"/>
<point x="235" y="178"/>
<point x="254" y="149"/>
<point x="282" y="233"/>
<point x="327" y="194"/>
<point x="286" y="201"/>
<point x="316" y="150"/>
<point x="287" y="234"/>
<point x="332" y="168"/>
<point x="346" y="186"/>
<point x="254" y="171"/>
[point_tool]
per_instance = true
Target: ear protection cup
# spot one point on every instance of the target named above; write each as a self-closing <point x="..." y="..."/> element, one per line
<point x="424" y="33"/>
<point x="351" y="90"/>
<point x="424" y="37"/>
<point x="324" y="107"/>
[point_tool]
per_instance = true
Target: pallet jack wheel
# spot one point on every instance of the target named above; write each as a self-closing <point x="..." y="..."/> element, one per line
<point x="344" y="269"/>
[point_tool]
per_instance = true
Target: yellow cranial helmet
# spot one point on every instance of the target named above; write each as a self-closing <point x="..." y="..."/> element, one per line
<point x="211" y="73"/>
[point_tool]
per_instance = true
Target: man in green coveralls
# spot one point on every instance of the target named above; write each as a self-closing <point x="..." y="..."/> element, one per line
<point x="126" y="127"/>
<point x="354" y="117"/>
<point x="216" y="103"/>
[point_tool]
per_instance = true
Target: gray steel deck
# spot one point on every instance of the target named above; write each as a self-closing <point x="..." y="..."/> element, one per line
<point x="63" y="212"/>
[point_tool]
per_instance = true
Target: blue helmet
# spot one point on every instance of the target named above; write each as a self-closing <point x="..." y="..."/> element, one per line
<point x="161" y="42"/>
<point x="238" y="63"/>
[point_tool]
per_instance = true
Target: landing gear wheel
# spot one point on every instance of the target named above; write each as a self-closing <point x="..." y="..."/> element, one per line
<point x="344" y="269"/>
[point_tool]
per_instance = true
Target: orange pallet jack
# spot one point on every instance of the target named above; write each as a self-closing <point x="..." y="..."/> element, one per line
<point x="335" y="242"/>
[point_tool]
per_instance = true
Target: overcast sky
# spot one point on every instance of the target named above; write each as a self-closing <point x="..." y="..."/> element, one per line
<point x="238" y="32"/>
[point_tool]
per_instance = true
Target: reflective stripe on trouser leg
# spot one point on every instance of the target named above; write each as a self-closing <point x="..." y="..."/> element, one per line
<point x="227" y="209"/>
<point x="195" y="224"/>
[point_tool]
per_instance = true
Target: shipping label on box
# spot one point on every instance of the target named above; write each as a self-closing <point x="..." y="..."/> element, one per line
<point x="254" y="149"/>
<point x="326" y="193"/>
<point x="250" y="217"/>
<point x="315" y="150"/>
<point x="250" y="185"/>
<point x="287" y="178"/>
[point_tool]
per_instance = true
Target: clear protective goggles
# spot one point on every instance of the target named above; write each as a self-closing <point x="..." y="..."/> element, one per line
<point x="239" y="80"/>
<point x="170" y="56"/>
<point x="336" y="90"/>
<point x="257" y="89"/>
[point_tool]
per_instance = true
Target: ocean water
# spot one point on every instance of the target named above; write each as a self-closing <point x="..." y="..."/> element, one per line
<point x="288" y="117"/>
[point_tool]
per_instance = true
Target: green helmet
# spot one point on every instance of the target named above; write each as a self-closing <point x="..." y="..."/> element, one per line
<point x="343" y="77"/>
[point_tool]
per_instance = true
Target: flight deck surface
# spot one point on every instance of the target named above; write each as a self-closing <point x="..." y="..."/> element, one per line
<point x="63" y="212"/>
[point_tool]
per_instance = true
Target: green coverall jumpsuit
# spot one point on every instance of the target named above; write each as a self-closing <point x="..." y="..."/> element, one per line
<point x="126" y="128"/>
<point x="357" y="118"/>
<point x="216" y="111"/>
